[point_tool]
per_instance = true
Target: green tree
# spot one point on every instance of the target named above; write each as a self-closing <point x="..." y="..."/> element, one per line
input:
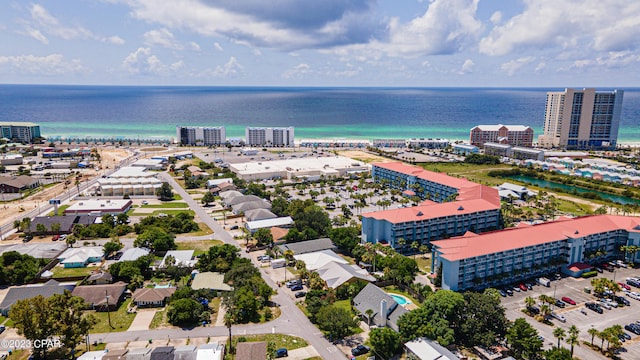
<point x="165" y="192"/>
<point x="55" y="228"/>
<point x="155" y="239"/>
<point x="41" y="229"/>
<point x="438" y="318"/>
<point x="184" y="312"/>
<point x="482" y="320"/>
<point x="573" y="338"/>
<point x="593" y="332"/>
<point x="369" y="313"/>
<point x="346" y="238"/>
<point x="32" y="319"/>
<point x="385" y="342"/>
<point x="218" y="258"/>
<point x="122" y="219"/>
<point x="263" y="237"/>
<point x="523" y="340"/>
<point x="336" y="321"/>
<point x="26" y="224"/>
<point x="70" y="323"/>
<point x="111" y="247"/>
<point x="208" y="198"/>
<point x="559" y="334"/>
<point x="17" y="269"/>
<point x="558" y="354"/>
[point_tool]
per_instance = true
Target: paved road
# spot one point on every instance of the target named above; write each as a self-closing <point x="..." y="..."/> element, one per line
<point x="291" y="321"/>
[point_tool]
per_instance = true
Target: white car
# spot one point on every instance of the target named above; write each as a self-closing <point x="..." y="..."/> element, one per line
<point x="605" y="304"/>
<point x="558" y="316"/>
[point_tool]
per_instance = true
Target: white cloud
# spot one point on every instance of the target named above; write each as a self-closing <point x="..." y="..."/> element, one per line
<point x="54" y="64"/>
<point x="467" y="67"/>
<point x="496" y="17"/>
<point x="162" y="37"/>
<point x="600" y="25"/>
<point x="194" y="46"/>
<point x="297" y="72"/>
<point x="231" y="68"/>
<point x="512" y="66"/>
<point x="43" y="21"/>
<point x="143" y="62"/>
<point x="218" y="46"/>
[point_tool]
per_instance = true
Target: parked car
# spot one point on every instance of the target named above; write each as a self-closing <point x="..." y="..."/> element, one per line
<point x="234" y="227"/>
<point x="145" y="202"/>
<point x="559" y="303"/>
<point x="594" y="307"/>
<point x="282" y="352"/>
<point x="300" y="294"/>
<point x="558" y="316"/>
<point x="516" y="288"/>
<point x="529" y="285"/>
<point x="621" y="300"/>
<point x="568" y="300"/>
<point x="626" y="336"/>
<point x="522" y="287"/>
<point x="360" y="350"/>
<point x="508" y="291"/>
<point x="293" y="282"/>
<point x="534" y="310"/>
<point x="634" y="328"/>
<point x="605" y="304"/>
<point x="598" y="269"/>
<point x="624" y="286"/>
<point x="2" y="329"/>
<point x="296" y="287"/>
<point x="27" y="238"/>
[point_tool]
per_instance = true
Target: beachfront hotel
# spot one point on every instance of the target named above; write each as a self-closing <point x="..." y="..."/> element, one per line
<point x="24" y="132"/>
<point x="515" y="135"/>
<point x="582" y="119"/>
<point x="502" y="257"/>
<point x="201" y="136"/>
<point x="451" y="206"/>
<point x="269" y="137"/>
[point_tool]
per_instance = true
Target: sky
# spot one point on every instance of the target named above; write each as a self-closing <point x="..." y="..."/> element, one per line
<point x="389" y="43"/>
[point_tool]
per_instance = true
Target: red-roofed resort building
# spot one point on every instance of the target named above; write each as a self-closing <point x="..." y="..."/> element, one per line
<point x="452" y="207"/>
<point x="501" y="257"/>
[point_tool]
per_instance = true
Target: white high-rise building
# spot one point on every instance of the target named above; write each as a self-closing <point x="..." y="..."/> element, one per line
<point x="203" y="136"/>
<point x="582" y="119"/>
<point x="277" y="137"/>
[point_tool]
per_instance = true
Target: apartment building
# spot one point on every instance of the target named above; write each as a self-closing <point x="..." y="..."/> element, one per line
<point x="269" y="137"/>
<point x="451" y="206"/>
<point x="514" y="152"/>
<point x="201" y="136"/>
<point x="24" y="132"/>
<point x="515" y="135"/>
<point x="501" y="257"/>
<point x="428" y="143"/>
<point x="582" y="119"/>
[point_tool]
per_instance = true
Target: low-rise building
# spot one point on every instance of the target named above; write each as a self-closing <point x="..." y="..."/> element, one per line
<point x="425" y="349"/>
<point x="516" y="135"/>
<point x="308" y="246"/>
<point x="16" y="184"/>
<point x="389" y="143"/>
<point x="282" y="222"/>
<point x="152" y="297"/>
<point x="251" y="350"/>
<point x="81" y="256"/>
<point x="335" y="274"/>
<point x="16" y="293"/>
<point x="210" y="281"/>
<point x="99" y="207"/>
<point x="101" y="297"/>
<point x="385" y="310"/>
<point x="428" y="143"/>
<point x="300" y="168"/>
<point x="500" y="257"/>
<point x="465" y="149"/>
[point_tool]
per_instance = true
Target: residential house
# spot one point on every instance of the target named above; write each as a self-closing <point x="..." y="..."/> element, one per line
<point x="335" y="274"/>
<point x="16" y="293"/>
<point x="251" y="350"/>
<point x="81" y="257"/>
<point x="152" y="297"/>
<point x="93" y="355"/>
<point x="318" y="259"/>
<point x="212" y="352"/>
<point x="386" y="311"/>
<point x="139" y="354"/>
<point x="115" y="354"/>
<point x="65" y="223"/>
<point x="101" y="297"/>
<point x="309" y="246"/>
<point x="133" y="254"/>
<point x="99" y="278"/>
<point x="425" y="349"/>
<point x="180" y="258"/>
<point x="213" y="281"/>
<point x="185" y="352"/>
<point x="162" y="353"/>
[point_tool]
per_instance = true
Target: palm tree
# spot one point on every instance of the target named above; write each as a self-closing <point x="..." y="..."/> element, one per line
<point x="545" y="311"/>
<point x="17" y="224"/>
<point x="529" y="301"/>
<point x="414" y="247"/>
<point x="228" y="321"/>
<point x="573" y="339"/>
<point x="369" y="313"/>
<point x="559" y="334"/>
<point x="401" y="242"/>
<point x="593" y="332"/>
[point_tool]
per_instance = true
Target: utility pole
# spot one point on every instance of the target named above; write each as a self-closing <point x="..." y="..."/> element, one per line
<point x="106" y="295"/>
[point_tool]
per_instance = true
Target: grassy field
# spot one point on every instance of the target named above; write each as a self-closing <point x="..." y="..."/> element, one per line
<point x="199" y="246"/>
<point x="120" y="319"/>
<point x="280" y="340"/>
<point x="166" y="205"/>
<point x="59" y="272"/>
<point x="204" y="230"/>
<point x="424" y="264"/>
<point x="159" y="319"/>
<point x="477" y="173"/>
<point x="61" y="210"/>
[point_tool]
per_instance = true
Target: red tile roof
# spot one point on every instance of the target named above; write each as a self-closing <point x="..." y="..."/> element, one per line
<point x="515" y="238"/>
<point x="440" y="178"/>
<point x="432" y="211"/>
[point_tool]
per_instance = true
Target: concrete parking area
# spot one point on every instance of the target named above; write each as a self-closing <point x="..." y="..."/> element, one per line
<point x="574" y="289"/>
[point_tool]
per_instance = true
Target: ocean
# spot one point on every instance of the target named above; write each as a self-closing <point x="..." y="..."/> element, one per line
<point x="329" y="113"/>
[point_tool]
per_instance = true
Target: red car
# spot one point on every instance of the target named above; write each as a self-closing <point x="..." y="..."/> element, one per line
<point x="522" y="287"/>
<point x="624" y="286"/>
<point x="568" y="300"/>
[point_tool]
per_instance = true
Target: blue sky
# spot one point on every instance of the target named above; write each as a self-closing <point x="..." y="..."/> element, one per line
<point x="426" y="43"/>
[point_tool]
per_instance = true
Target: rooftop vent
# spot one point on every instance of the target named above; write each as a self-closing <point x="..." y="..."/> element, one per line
<point x="460" y="208"/>
<point x="419" y="213"/>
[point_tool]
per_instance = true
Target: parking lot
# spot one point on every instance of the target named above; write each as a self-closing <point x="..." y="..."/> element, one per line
<point x="574" y="289"/>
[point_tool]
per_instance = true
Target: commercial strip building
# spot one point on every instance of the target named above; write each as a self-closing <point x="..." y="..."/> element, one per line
<point x="309" y="167"/>
<point x="505" y="256"/>
<point x="201" y="136"/>
<point x="515" y="135"/>
<point x="20" y="131"/>
<point x="452" y="207"/>
<point x="98" y="207"/>
<point x="270" y="137"/>
<point x="582" y="119"/>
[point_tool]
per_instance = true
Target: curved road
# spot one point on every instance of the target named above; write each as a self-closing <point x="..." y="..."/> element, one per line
<point x="291" y="321"/>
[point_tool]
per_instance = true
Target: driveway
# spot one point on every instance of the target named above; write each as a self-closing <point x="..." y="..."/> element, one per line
<point x="142" y="320"/>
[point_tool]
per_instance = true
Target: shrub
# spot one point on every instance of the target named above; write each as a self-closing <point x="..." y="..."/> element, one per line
<point x="589" y="274"/>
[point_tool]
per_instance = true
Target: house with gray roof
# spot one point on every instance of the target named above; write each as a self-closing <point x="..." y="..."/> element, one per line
<point x="251" y="350"/>
<point x="133" y="254"/>
<point x="335" y="274"/>
<point x="386" y="311"/>
<point x="210" y="281"/>
<point x="15" y="184"/>
<point x="242" y="199"/>
<point x="250" y="205"/>
<point x="16" y="293"/>
<point x="425" y="349"/>
<point x="66" y="223"/>
<point x="162" y="353"/>
<point x="185" y="352"/>
<point x="259" y="214"/>
<point x="309" y="246"/>
<point x="115" y="354"/>
<point x="139" y="354"/>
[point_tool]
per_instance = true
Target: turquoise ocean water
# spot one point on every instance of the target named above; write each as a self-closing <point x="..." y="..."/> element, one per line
<point x="358" y="113"/>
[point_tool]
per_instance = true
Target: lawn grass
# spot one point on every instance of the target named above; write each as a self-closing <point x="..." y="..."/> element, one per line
<point x="198" y="246"/>
<point x="168" y="212"/>
<point x="280" y="340"/>
<point x="166" y="205"/>
<point x="159" y="319"/>
<point x="60" y="272"/>
<point x="424" y="264"/>
<point x="204" y="230"/>
<point x="61" y="210"/>
<point x="120" y="319"/>
<point x="473" y="172"/>
<point x="573" y="208"/>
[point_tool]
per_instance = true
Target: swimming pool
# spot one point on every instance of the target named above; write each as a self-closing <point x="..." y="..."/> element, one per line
<point x="401" y="300"/>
